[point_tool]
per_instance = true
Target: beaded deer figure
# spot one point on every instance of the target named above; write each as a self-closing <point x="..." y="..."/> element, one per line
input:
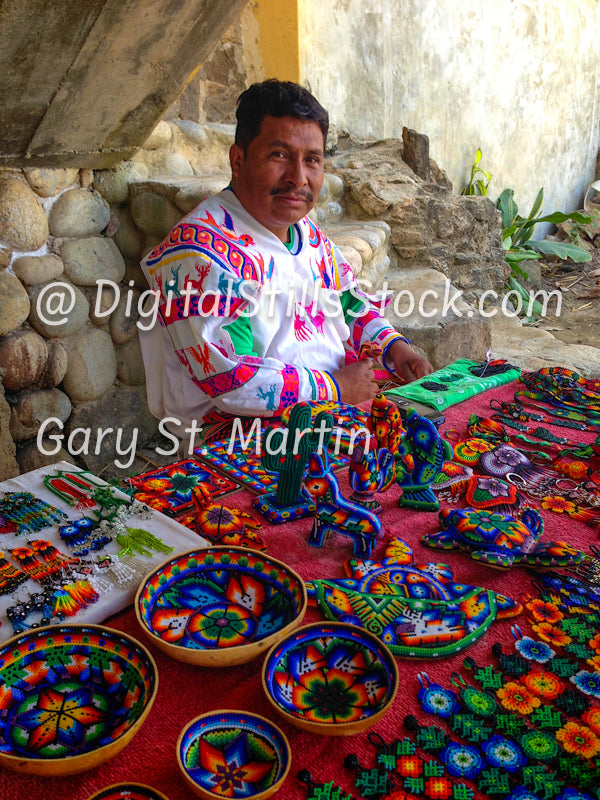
<point x="337" y="514"/>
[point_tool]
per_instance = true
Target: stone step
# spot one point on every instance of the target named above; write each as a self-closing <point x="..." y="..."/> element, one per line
<point x="365" y="245"/>
<point x="531" y="348"/>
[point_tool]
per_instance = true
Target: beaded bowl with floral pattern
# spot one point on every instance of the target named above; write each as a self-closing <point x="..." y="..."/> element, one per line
<point x="220" y="606"/>
<point x="331" y="678"/>
<point x="72" y="697"/>
<point x="233" y="754"/>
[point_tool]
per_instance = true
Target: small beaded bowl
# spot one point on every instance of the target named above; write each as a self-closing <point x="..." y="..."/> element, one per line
<point x="128" y="791"/>
<point x="330" y="678"/>
<point x="72" y="697"/>
<point x="233" y="754"/>
<point x="221" y="606"/>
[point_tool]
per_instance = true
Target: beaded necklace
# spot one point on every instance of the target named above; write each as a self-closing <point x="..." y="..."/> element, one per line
<point x="563" y="417"/>
<point x="564" y="388"/>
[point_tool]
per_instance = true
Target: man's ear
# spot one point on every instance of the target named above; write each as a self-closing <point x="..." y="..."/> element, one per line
<point x="236" y="157"/>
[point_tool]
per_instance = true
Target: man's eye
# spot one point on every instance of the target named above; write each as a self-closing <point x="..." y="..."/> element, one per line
<point x="278" y="154"/>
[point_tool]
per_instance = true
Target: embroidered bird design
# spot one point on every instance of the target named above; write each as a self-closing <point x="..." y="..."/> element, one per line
<point x="202" y="357"/>
<point x="227" y="228"/>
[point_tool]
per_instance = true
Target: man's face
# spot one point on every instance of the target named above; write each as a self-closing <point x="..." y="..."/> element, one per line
<point x="279" y="178"/>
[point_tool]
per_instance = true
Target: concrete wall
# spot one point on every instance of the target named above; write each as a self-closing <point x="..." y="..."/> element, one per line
<point x="518" y="78"/>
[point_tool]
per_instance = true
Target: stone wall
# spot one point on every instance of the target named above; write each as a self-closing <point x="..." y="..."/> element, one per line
<point x="55" y="231"/>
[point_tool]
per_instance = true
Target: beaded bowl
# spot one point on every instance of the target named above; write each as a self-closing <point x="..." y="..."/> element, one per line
<point x="233" y="754"/>
<point x="330" y="678"/>
<point x="220" y="606"/>
<point x="72" y="697"/>
<point x="128" y="791"/>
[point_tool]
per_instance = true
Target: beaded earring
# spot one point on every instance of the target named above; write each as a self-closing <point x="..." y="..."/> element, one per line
<point x="29" y="563"/>
<point x="10" y="576"/>
<point x="127" y="570"/>
<point x="416" y="776"/>
<point x="321" y="791"/>
<point x="53" y="558"/>
<point x="40" y="604"/>
<point x="70" y="598"/>
<point x="137" y="540"/>
<point x="22" y="512"/>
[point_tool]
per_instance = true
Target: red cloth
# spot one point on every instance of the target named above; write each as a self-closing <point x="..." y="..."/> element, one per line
<point x="184" y="691"/>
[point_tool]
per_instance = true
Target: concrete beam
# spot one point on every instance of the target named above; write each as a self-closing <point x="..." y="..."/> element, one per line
<point x="84" y="83"/>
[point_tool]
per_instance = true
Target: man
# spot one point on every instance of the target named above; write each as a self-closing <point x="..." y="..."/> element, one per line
<point x="258" y="309"/>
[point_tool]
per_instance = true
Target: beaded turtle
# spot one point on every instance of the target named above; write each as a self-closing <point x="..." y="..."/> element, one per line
<point x="222" y="525"/>
<point x="500" y="540"/>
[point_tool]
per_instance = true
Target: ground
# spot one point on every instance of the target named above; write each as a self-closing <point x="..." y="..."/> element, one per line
<point x="579" y="320"/>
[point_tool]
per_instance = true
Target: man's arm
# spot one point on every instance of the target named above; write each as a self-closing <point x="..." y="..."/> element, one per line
<point x="368" y="326"/>
<point x="408" y="364"/>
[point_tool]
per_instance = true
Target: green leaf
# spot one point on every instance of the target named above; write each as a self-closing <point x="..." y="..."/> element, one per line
<point x="563" y="250"/>
<point x="507" y="206"/>
<point x="537" y="204"/>
<point x="515" y="256"/>
<point x="516" y="286"/>
<point x="515" y="269"/>
<point x="535" y="307"/>
<point x="558" y="216"/>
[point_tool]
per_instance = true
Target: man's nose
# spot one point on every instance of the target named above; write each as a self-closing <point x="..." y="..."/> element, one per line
<point x="296" y="172"/>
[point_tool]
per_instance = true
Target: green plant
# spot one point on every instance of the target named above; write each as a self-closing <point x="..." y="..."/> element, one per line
<point x="517" y="233"/>
<point x="476" y="185"/>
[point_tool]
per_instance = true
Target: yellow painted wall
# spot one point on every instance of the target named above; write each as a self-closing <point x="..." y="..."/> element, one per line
<point x="278" y="38"/>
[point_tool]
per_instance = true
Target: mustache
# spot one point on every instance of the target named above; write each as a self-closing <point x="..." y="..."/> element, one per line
<point x="305" y="194"/>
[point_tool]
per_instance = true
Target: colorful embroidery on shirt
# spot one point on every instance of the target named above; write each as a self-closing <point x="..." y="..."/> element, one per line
<point x="291" y="384"/>
<point x="301" y="331"/>
<point x="186" y="238"/>
<point x="205" y="305"/>
<point x="322" y="387"/>
<point x="268" y="395"/>
<point x="227" y="381"/>
<point x="202" y="357"/>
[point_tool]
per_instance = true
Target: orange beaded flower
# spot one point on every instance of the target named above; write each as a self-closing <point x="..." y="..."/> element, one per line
<point x="578" y="739"/>
<point x="542" y="611"/>
<point x="543" y="684"/>
<point x="552" y="634"/>
<point x="516" y="697"/>
<point x="558" y="504"/>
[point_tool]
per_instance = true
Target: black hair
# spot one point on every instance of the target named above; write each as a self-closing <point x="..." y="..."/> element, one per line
<point x="276" y="99"/>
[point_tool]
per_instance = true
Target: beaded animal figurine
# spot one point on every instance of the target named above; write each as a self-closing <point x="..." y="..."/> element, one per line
<point x="500" y="540"/>
<point x="337" y="514"/>
<point x="222" y="525"/>
<point x="385" y="423"/>
<point x="420" y="457"/>
<point x="370" y="471"/>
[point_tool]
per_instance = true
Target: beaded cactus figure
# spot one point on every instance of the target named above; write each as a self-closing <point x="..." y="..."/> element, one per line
<point x="286" y="450"/>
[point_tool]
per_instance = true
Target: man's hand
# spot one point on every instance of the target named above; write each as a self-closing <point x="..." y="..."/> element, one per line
<point x="356" y="382"/>
<point x="408" y="364"/>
